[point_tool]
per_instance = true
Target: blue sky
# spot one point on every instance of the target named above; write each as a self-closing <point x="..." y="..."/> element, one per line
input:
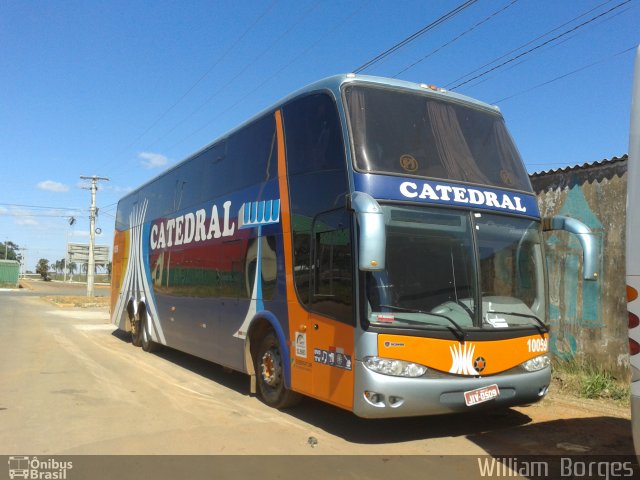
<point x="124" y="89"/>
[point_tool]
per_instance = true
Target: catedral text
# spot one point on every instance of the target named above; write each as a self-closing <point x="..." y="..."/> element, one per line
<point x="462" y="195"/>
<point x="192" y="227"/>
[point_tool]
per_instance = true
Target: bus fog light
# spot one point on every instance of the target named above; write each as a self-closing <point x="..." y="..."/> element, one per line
<point x="374" y="398"/>
<point x="537" y="363"/>
<point x="396" y="368"/>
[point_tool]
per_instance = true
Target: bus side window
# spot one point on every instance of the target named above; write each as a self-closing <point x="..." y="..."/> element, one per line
<point x="316" y="167"/>
<point x="211" y="183"/>
<point x="251" y="155"/>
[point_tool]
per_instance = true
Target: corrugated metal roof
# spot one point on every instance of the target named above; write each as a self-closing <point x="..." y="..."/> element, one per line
<point x="584" y="166"/>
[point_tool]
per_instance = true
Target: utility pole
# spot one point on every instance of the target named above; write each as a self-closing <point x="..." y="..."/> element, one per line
<point x="91" y="267"/>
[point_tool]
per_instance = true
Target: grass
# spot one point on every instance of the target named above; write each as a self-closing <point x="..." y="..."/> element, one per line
<point x="588" y="381"/>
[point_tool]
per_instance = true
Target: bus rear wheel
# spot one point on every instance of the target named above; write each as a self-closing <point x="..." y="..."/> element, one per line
<point x="136" y="335"/>
<point x="269" y="365"/>
<point x="148" y="345"/>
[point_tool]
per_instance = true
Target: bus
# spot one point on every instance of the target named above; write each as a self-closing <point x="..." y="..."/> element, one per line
<point x="372" y="243"/>
<point x="632" y="253"/>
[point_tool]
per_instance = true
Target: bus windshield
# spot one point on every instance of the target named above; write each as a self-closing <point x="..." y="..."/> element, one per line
<point x="458" y="270"/>
<point x="408" y="133"/>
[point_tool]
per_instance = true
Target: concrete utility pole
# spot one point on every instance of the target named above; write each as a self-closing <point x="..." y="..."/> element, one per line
<point x="91" y="267"/>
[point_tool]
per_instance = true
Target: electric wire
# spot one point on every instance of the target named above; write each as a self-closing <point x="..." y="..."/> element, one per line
<point x="565" y="75"/>
<point x="251" y="63"/>
<point x="455" y="39"/>
<point x="39" y="206"/>
<point x="549" y="47"/>
<point x="537" y="47"/>
<point x="267" y="79"/>
<point x="202" y="77"/>
<point x="528" y="43"/>
<point x="447" y="16"/>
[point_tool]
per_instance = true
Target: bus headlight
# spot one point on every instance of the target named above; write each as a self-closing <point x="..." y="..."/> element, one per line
<point x="397" y="368"/>
<point x="537" y="363"/>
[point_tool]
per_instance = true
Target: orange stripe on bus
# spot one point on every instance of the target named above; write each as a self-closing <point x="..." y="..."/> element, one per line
<point x="119" y="268"/>
<point x="300" y="383"/>
<point x="324" y="382"/>
<point x="446" y="355"/>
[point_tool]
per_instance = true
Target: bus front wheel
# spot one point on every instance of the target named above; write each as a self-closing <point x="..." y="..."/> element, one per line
<point x="270" y="374"/>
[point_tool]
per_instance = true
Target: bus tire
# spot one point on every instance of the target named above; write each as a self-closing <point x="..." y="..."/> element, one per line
<point x="269" y="365"/>
<point x="136" y="335"/>
<point x="148" y="345"/>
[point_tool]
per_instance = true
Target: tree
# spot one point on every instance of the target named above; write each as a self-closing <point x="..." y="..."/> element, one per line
<point x="72" y="268"/>
<point x="43" y="267"/>
<point x="8" y="251"/>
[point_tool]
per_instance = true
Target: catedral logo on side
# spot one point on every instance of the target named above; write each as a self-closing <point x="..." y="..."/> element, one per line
<point x="192" y="227"/>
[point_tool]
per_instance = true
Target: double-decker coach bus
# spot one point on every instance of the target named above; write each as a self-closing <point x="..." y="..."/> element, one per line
<point x="371" y="243"/>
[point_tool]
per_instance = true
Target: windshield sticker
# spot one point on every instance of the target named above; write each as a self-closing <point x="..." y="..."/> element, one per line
<point x="332" y="358"/>
<point x="301" y="344"/>
<point x="382" y="318"/>
<point x="409" y="163"/>
<point x="498" y="322"/>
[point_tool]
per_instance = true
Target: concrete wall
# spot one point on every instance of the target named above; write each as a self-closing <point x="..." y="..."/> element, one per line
<point x="588" y="319"/>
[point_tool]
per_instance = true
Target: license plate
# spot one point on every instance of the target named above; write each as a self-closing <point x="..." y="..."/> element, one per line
<point x="479" y="395"/>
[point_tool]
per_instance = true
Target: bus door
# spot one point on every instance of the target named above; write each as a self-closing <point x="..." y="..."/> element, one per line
<point x="325" y="337"/>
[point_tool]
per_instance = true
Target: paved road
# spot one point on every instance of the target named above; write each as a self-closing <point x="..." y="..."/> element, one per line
<point x="71" y="384"/>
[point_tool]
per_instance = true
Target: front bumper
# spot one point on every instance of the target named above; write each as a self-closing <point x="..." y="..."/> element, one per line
<point x="406" y="397"/>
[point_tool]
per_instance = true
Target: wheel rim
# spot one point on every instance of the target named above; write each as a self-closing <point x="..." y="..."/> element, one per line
<point x="135" y="327"/>
<point x="271" y="366"/>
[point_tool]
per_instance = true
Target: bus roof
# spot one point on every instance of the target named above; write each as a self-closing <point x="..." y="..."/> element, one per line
<point x="334" y="84"/>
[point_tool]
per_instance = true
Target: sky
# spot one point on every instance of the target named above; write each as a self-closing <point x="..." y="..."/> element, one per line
<point x="125" y="89"/>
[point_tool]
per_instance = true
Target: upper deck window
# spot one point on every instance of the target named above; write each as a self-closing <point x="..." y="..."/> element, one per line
<point x="407" y="133"/>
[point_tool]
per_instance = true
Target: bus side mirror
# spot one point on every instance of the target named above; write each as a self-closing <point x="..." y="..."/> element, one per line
<point x="372" y="242"/>
<point x="586" y="237"/>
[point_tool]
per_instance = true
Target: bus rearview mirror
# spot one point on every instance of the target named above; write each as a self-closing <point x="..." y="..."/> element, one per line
<point x="584" y="235"/>
<point x="372" y="241"/>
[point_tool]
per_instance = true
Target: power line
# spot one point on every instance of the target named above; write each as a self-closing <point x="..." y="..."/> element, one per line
<point x="237" y="75"/>
<point x="336" y="27"/>
<point x="555" y="45"/>
<point x="494" y="14"/>
<point x="528" y="43"/>
<point x="410" y="38"/>
<point x="16" y="214"/>
<point x="202" y="77"/>
<point x="40" y="206"/>
<point x="560" y="77"/>
<point x="531" y="50"/>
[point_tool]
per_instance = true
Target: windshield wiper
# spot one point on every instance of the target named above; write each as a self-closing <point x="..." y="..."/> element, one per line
<point x="461" y="334"/>
<point x="525" y="315"/>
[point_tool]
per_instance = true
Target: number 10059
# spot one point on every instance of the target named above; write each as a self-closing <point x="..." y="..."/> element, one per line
<point x="537" y="344"/>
